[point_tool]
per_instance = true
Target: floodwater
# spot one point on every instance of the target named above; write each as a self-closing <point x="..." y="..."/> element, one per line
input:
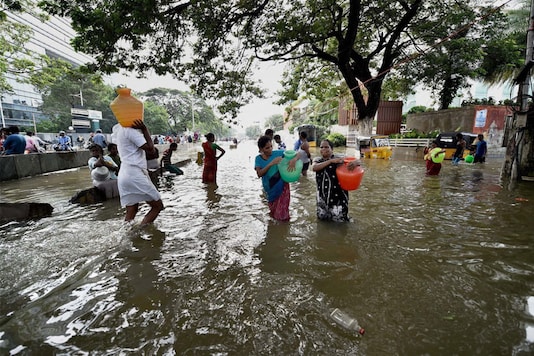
<point x="428" y="266"/>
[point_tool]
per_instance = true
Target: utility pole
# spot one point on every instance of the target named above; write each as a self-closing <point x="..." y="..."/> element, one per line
<point x="193" y="111"/>
<point x="79" y="96"/>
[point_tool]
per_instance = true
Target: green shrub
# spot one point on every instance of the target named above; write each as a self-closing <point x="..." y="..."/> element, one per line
<point x="337" y="139"/>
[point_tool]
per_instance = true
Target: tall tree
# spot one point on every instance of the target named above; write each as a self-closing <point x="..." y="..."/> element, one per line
<point x="16" y="60"/>
<point x="446" y="66"/>
<point x="361" y="40"/>
<point x="275" y="122"/>
<point x="63" y="87"/>
<point x="185" y="111"/>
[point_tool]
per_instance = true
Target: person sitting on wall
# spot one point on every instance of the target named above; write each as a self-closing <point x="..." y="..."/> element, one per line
<point x="63" y="142"/>
<point x="80" y="141"/>
<point x="14" y="143"/>
<point x="103" y="171"/>
<point x="100" y="139"/>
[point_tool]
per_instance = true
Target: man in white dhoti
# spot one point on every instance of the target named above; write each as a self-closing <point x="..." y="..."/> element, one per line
<point x="134" y="182"/>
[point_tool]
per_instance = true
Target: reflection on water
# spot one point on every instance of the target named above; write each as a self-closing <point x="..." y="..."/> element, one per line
<point x="429" y="265"/>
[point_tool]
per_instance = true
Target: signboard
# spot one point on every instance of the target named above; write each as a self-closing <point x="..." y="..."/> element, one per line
<point x="84" y="113"/>
<point x="480" y="120"/>
<point x="95" y="115"/>
<point x="81" y="123"/>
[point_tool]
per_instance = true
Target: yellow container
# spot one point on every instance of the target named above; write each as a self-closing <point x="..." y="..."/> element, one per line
<point x="127" y="108"/>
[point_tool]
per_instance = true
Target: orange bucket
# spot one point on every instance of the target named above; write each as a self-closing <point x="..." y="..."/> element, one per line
<point x="349" y="180"/>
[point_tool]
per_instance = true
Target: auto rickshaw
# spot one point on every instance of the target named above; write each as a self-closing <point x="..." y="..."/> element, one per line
<point x="447" y="140"/>
<point x="376" y="146"/>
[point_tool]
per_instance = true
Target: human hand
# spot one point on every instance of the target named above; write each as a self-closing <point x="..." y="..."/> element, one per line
<point x="139" y="124"/>
<point x="277" y="160"/>
<point x="291" y="166"/>
<point x="337" y="160"/>
<point x="353" y="164"/>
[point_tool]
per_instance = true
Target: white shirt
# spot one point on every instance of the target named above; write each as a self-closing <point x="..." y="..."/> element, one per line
<point x="129" y="141"/>
<point x="107" y="159"/>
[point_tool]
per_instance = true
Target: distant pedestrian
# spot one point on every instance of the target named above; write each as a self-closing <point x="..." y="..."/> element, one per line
<point x="481" y="150"/>
<point x="209" y="174"/>
<point x="460" y="147"/>
<point x="32" y="143"/>
<point x="80" y="140"/>
<point x="103" y="171"/>
<point x="304" y="152"/>
<point x="279" y="142"/>
<point x="269" y="133"/>
<point x="433" y="168"/>
<point x="166" y="162"/>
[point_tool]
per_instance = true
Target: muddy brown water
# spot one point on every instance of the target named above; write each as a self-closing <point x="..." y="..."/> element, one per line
<point x="428" y="266"/>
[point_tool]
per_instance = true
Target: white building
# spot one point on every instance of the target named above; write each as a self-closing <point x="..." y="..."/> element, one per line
<point x="51" y="38"/>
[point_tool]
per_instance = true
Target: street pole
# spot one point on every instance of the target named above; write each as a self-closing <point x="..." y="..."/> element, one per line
<point x="193" y="112"/>
<point x="2" y="113"/>
<point x="81" y="97"/>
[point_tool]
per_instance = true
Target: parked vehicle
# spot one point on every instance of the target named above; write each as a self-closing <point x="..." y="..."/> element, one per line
<point x="447" y="140"/>
<point x="376" y="146"/>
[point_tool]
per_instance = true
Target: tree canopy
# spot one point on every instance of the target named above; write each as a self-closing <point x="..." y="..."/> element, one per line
<point x="212" y="45"/>
<point x="185" y="112"/>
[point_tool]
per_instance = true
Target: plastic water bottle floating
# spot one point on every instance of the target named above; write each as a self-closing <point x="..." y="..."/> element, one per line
<point x="346" y="321"/>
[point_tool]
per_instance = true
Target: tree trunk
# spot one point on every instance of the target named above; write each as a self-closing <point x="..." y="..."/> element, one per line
<point x="519" y="159"/>
<point x="364" y="126"/>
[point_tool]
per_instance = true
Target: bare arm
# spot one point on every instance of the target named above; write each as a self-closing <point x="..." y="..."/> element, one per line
<point x="148" y="147"/>
<point x="322" y="165"/>
<point x="222" y="151"/>
<point x="262" y="171"/>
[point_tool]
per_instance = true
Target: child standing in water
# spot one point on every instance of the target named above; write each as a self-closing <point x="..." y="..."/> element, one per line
<point x="266" y="166"/>
<point x="332" y="200"/>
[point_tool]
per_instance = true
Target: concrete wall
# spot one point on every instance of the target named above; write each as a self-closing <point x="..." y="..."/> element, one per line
<point x="459" y="119"/>
<point x="25" y="165"/>
<point x="464" y="120"/>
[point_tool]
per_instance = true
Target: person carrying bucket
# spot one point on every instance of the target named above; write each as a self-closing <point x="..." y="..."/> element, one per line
<point x="276" y="189"/>
<point x="332" y="199"/>
<point x="434" y="157"/>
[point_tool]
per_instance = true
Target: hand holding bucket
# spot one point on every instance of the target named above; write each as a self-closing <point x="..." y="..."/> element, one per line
<point x="349" y="179"/>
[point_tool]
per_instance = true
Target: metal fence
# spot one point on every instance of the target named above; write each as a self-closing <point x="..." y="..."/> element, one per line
<point x="395" y="142"/>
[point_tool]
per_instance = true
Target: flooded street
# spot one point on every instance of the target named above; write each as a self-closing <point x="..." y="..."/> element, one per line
<point x="428" y="266"/>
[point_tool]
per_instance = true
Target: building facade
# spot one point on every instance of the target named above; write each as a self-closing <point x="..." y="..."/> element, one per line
<point x="51" y="38"/>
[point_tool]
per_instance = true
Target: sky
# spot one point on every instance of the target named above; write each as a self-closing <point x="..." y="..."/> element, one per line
<point x="254" y="113"/>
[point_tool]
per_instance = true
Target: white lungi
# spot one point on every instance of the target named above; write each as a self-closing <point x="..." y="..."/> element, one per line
<point x="135" y="186"/>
